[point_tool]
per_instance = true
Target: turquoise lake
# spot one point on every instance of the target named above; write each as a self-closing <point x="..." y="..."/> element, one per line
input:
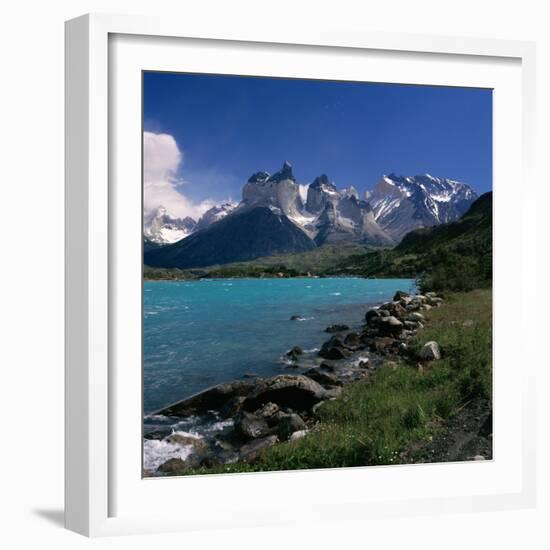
<point x="200" y="333"/>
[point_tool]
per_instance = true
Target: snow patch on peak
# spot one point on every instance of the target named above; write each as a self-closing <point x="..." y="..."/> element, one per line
<point x="161" y="228"/>
<point x="403" y="203"/>
<point x="303" y="188"/>
<point x="216" y="213"/>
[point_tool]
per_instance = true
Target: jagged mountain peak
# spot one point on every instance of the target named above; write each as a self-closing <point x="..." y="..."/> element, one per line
<point x="259" y="177"/>
<point x="285" y="173"/>
<point x="277" y="213"/>
<point x="323" y="181"/>
<point x="350" y="192"/>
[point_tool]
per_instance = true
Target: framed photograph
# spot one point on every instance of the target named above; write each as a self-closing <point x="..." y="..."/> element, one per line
<point x="289" y="262"/>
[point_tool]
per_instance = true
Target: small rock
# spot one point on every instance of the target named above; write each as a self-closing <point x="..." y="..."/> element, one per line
<point x="399" y="295"/>
<point x="329" y="367"/>
<point x="290" y="424"/>
<point x="352" y="339"/>
<point x="316" y="408"/>
<point x="211" y="462"/>
<point x="382" y="344"/>
<point x="185" y="440"/>
<point x="333" y="393"/>
<point x="251" y="426"/>
<point x="269" y="409"/>
<point x="415" y="316"/>
<point x="336" y="353"/>
<point x="372" y="317"/>
<point x="296" y="318"/>
<point x="172" y="466"/>
<point x="232" y="407"/>
<point x="324" y="378"/>
<point x="397" y="310"/>
<point x="251" y="451"/>
<point x="479" y="457"/>
<point x="336" y="328"/>
<point x="468" y="323"/>
<point x="295" y="352"/>
<point x="430" y="351"/>
<point x="390" y="326"/>
<point x="334" y="349"/>
<point x="298" y="435"/>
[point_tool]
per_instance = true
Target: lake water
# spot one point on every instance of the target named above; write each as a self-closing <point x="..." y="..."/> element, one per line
<point x="200" y="333"/>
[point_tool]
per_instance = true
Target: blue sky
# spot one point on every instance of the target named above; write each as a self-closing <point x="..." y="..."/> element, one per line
<point x="226" y="128"/>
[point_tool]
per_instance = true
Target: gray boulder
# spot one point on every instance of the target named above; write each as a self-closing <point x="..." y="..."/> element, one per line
<point x="334" y="353"/>
<point x="352" y="340"/>
<point x="212" y="399"/>
<point x="372" y="317"/>
<point x="323" y="377"/>
<point x="290" y="424"/>
<point x="334" y="349"/>
<point x="333" y="393"/>
<point x="294" y="391"/>
<point x="251" y="426"/>
<point x="397" y="310"/>
<point x="298" y="435"/>
<point x="232" y="407"/>
<point x="252" y="451"/>
<point x="172" y="467"/>
<point x="390" y="326"/>
<point x="268" y="410"/>
<point x="430" y="351"/>
<point x="415" y="316"/>
<point x="295" y="352"/>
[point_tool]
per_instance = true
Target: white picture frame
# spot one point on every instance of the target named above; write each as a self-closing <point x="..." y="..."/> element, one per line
<point x="93" y="265"/>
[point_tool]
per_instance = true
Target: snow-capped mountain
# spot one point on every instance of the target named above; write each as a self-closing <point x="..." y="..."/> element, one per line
<point x="278" y="215"/>
<point x="327" y="215"/>
<point x="215" y="214"/>
<point x="404" y="203"/>
<point x="161" y="228"/>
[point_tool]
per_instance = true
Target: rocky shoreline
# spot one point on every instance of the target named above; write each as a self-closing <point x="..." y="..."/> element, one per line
<point x="258" y="413"/>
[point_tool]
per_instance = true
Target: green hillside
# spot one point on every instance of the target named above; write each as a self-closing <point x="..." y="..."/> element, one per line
<point x="454" y="256"/>
<point x="320" y="261"/>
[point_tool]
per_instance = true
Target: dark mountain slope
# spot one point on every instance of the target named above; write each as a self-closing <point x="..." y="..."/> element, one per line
<point x="249" y="235"/>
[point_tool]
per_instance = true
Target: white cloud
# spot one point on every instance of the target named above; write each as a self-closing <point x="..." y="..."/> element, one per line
<point x="161" y="160"/>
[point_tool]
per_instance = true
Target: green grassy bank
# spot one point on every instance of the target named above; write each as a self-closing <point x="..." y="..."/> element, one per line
<point x="375" y="420"/>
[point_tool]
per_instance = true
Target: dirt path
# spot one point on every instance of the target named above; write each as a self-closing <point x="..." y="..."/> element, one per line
<point x="468" y="435"/>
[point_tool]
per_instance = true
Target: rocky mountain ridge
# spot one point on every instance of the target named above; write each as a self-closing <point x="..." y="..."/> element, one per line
<point x="284" y="216"/>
